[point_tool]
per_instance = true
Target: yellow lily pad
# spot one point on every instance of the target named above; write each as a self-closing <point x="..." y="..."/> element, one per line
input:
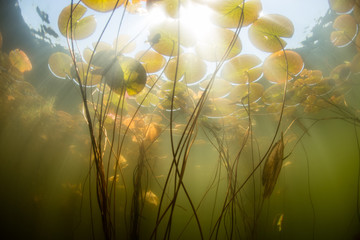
<point x="266" y="33"/>
<point x="20" y="60"/>
<point x="151" y="60"/>
<point x="103" y="5"/>
<point x="87" y="78"/>
<point x="81" y="27"/>
<point x="280" y="68"/>
<point x="60" y="64"/>
<point x="219" y="88"/>
<point x="346" y="30"/>
<point x="235" y="13"/>
<point x="242" y="69"/>
<point x="190" y="66"/>
<point x="244" y="93"/>
<point x="341" y="6"/>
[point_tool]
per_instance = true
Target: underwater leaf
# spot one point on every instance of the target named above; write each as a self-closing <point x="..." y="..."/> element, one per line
<point x="103" y="5"/>
<point x="20" y="60"/>
<point x="220" y="87"/>
<point x="60" y="64"/>
<point x="275" y="94"/>
<point x="279" y="68"/>
<point x="81" y="27"/>
<point x="272" y="167"/>
<point x="101" y="46"/>
<point x="124" y="44"/>
<point x="346" y="29"/>
<point x="218" y="107"/>
<point x="242" y="69"/>
<point x="167" y="43"/>
<point x="341" y="6"/>
<point x="243" y="93"/>
<point x="151" y="99"/>
<point x="215" y="44"/>
<point x="355" y="64"/>
<point x="181" y="95"/>
<point x="266" y="32"/>
<point x="87" y="52"/>
<point x="190" y="66"/>
<point x="230" y="13"/>
<point x="134" y="74"/>
<point x="86" y="78"/>
<point x="151" y="60"/>
<point x="311" y="77"/>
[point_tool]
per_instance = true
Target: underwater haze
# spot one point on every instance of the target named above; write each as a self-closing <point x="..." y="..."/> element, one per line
<point x="180" y="119"/>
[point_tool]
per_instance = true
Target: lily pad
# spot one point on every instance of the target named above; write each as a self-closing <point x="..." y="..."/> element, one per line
<point x="219" y="88"/>
<point x="151" y="60"/>
<point x="81" y="27"/>
<point x="103" y="5"/>
<point x="60" y="64"/>
<point x="244" y="93"/>
<point x="190" y="66"/>
<point x="20" y="60"/>
<point x="164" y="37"/>
<point x="266" y="33"/>
<point x="87" y="78"/>
<point x="235" y="13"/>
<point x="280" y="68"/>
<point x="242" y="69"/>
<point x="341" y="6"/>
<point x="346" y="30"/>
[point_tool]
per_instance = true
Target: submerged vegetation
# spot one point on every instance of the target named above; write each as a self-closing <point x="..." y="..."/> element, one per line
<point x="189" y="137"/>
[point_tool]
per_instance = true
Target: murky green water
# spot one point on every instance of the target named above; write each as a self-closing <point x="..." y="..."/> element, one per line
<point x="185" y="163"/>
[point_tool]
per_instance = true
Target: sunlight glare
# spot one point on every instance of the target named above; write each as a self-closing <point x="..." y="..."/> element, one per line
<point x="196" y="17"/>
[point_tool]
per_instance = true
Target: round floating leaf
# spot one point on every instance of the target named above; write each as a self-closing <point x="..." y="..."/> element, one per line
<point x="242" y="69"/>
<point x="190" y="66"/>
<point x="103" y="5"/>
<point x="218" y="107"/>
<point x="81" y="27"/>
<point x="311" y="77"/>
<point x="323" y="87"/>
<point x="86" y="78"/>
<point x="243" y="93"/>
<point x="341" y="6"/>
<point x="60" y="64"/>
<point x="151" y="60"/>
<point x="266" y="32"/>
<point x="164" y="39"/>
<point x="181" y="95"/>
<point x="279" y="67"/>
<point x="134" y="74"/>
<point x="275" y="94"/>
<point x="101" y="46"/>
<point x="87" y="52"/>
<point x="346" y="29"/>
<point x="150" y="98"/>
<point x="219" y="89"/>
<point x="215" y="44"/>
<point x="20" y="60"/>
<point x="229" y="13"/>
<point x="124" y="44"/>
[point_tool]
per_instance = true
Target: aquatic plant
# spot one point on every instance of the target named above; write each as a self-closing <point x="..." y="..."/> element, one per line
<point x="169" y="95"/>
